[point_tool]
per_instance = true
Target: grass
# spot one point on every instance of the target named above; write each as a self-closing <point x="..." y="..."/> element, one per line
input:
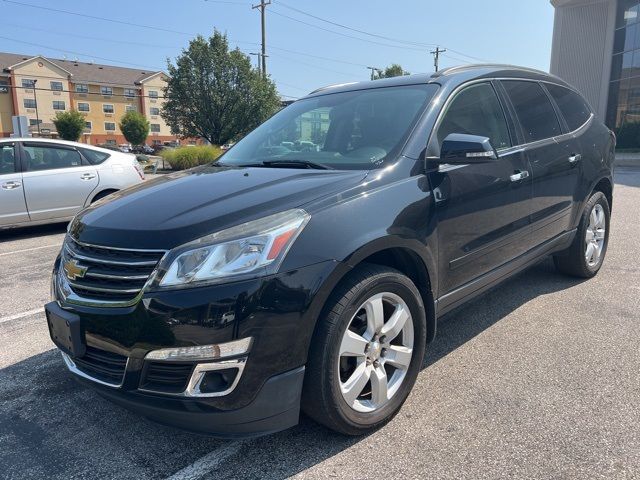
<point x="183" y="158"/>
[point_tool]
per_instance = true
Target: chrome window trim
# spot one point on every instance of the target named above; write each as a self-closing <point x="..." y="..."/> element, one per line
<point x="522" y="146"/>
<point x="197" y="376"/>
<point x="75" y="370"/>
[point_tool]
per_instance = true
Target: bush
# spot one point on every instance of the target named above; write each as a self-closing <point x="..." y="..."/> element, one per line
<point x="188" y="157"/>
<point x="134" y="127"/>
<point x="69" y="125"/>
<point x="628" y="135"/>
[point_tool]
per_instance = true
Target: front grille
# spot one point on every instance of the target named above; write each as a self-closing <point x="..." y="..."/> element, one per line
<point x="167" y="377"/>
<point x="115" y="275"/>
<point x="102" y="365"/>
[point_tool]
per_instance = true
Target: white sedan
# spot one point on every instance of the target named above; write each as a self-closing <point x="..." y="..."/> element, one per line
<point x="47" y="181"/>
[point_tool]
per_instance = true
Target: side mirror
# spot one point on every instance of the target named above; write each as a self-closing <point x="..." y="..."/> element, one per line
<point x="459" y="148"/>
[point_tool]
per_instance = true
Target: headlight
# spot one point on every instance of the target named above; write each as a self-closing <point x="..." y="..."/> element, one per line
<point x="251" y="249"/>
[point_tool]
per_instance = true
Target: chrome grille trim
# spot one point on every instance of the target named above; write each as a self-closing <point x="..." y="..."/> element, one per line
<point x="107" y="262"/>
<point x="114" y="277"/>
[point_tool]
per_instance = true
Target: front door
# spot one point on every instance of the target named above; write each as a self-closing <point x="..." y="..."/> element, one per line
<point x="13" y="208"/>
<point x="482" y="209"/>
<point x="56" y="181"/>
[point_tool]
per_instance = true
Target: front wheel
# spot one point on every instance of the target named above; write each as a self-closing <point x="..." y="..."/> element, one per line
<point x="586" y="254"/>
<point x="366" y="352"/>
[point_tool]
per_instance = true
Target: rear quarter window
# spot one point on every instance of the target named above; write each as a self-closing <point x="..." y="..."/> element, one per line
<point x="534" y="110"/>
<point x="574" y="108"/>
<point x="93" y="156"/>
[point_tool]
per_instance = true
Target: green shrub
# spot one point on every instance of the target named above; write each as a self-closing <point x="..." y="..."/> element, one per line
<point x="188" y="157"/>
<point x="628" y="135"/>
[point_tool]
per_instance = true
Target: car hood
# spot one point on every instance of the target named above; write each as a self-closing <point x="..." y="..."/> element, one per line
<point x="177" y="208"/>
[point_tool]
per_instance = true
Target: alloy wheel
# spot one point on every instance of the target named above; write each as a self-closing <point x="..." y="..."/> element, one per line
<point x="375" y="352"/>
<point x="595" y="235"/>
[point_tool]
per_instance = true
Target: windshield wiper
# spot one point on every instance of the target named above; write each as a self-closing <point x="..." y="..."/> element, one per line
<point x="297" y="164"/>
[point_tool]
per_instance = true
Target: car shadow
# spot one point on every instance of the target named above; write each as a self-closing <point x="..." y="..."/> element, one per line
<point x="35" y="231"/>
<point x="45" y="415"/>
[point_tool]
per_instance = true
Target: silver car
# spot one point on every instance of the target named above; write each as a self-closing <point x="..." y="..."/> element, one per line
<point x="47" y="181"/>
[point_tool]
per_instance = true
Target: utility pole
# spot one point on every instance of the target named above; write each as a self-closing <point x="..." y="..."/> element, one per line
<point x="436" y="56"/>
<point x="262" y="6"/>
<point x="373" y="72"/>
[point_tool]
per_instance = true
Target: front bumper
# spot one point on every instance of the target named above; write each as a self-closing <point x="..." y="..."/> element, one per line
<point x="277" y="312"/>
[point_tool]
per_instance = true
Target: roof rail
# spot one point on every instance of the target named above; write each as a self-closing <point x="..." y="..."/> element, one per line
<point x="461" y="68"/>
<point x="326" y="87"/>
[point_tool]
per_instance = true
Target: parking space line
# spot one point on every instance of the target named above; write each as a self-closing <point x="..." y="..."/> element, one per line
<point x="30" y="249"/>
<point x="206" y="463"/>
<point x="28" y="313"/>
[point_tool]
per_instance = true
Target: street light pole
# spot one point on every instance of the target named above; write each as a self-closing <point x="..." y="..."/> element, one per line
<point x="35" y="99"/>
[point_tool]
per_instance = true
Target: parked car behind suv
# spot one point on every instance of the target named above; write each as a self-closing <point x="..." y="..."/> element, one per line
<point x="224" y="298"/>
<point x="45" y="181"/>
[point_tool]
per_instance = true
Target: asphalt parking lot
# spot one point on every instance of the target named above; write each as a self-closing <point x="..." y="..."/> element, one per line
<point x="537" y="379"/>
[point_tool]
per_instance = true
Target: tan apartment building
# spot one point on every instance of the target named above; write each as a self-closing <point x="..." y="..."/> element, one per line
<point x="38" y="87"/>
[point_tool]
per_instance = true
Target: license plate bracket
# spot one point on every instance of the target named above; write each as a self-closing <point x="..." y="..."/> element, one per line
<point x="65" y="330"/>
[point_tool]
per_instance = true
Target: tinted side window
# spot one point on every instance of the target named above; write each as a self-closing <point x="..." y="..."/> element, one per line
<point x="7" y="159"/>
<point x="94" y="157"/>
<point x="476" y="110"/>
<point x="534" y="110"/>
<point x="47" y="158"/>
<point x="573" y="107"/>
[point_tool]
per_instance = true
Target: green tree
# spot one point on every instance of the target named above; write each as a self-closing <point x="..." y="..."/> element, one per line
<point x="394" y="70"/>
<point x="135" y="127"/>
<point x="215" y="93"/>
<point x="69" y="125"/>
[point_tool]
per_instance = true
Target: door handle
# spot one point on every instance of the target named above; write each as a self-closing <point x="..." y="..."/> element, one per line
<point x="516" y="177"/>
<point x="87" y="176"/>
<point x="11" y="185"/>
<point x="575" y="158"/>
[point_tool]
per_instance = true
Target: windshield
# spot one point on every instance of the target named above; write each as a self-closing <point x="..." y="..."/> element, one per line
<point x="358" y="130"/>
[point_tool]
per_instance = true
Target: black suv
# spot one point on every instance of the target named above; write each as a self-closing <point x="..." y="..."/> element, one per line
<point x="309" y="265"/>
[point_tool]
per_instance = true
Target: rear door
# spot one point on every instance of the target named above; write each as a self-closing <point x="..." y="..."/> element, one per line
<point x="57" y="180"/>
<point x="554" y="158"/>
<point x="483" y="209"/>
<point x="13" y="208"/>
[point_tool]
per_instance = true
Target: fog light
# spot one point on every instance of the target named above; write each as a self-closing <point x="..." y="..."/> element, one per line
<point x="218" y="381"/>
<point x="215" y="379"/>
<point x="202" y="352"/>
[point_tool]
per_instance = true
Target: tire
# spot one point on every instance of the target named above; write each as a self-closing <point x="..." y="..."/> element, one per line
<point x="328" y="372"/>
<point x="573" y="261"/>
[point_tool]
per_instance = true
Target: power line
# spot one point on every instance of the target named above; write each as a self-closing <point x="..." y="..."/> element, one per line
<point x="39" y="45"/>
<point x="363" y="32"/>
<point x="344" y="34"/>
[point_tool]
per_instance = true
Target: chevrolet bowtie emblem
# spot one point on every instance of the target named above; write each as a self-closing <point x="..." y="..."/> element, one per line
<point x="73" y="270"/>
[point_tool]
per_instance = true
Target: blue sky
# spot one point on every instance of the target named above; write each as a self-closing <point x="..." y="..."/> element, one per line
<point x="504" y="31"/>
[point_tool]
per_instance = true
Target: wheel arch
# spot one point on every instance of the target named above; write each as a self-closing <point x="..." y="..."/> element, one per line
<point x="604" y="185"/>
<point x="102" y="193"/>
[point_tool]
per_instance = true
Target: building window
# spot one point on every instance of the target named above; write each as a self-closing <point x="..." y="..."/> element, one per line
<point x="107" y="108"/>
<point x="154" y="127"/>
<point x="56" y="86"/>
<point x="88" y="126"/>
<point x="110" y="126"/>
<point x="29" y="103"/>
<point x="33" y="122"/>
<point x="153" y="94"/>
<point x="28" y="83"/>
<point x="4" y="86"/>
<point x="129" y="108"/>
<point x="83" y="107"/>
<point x="82" y="88"/>
<point x="154" y="111"/>
<point x="129" y="92"/>
<point x="59" y="105"/>
<point x="110" y="142"/>
<point x="106" y="91"/>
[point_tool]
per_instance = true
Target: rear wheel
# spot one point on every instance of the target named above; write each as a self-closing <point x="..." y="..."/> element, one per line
<point x="366" y="352"/>
<point x="586" y="254"/>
